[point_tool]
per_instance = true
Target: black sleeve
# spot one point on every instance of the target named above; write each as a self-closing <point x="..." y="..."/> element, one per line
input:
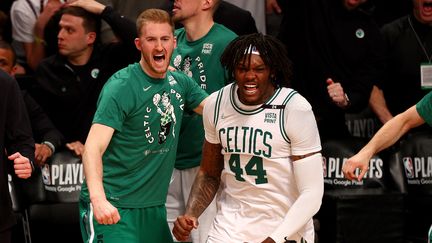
<point x="42" y="127"/>
<point x="236" y="19"/>
<point x="123" y="28"/>
<point x="125" y="31"/>
<point x="18" y="130"/>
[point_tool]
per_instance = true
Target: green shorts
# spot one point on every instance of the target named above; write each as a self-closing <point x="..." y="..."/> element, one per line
<point x="144" y="225"/>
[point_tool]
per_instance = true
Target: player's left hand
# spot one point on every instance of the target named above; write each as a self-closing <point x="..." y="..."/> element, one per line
<point x="22" y="166"/>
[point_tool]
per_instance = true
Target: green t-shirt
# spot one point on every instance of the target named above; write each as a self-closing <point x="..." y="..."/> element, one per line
<point x="424" y="108"/>
<point x="200" y="60"/>
<point x="146" y="114"/>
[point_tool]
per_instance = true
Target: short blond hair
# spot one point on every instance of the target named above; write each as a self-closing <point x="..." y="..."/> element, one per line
<point x="153" y="15"/>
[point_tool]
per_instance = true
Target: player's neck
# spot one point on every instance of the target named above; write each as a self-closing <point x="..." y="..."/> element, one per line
<point x="198" y="28"/>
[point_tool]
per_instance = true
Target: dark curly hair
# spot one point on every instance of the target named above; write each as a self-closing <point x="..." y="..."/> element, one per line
<point x="272" y="52"/>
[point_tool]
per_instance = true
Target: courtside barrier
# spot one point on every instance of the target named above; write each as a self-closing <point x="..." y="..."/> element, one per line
<point x="356" y="212"/>
<point x="415" y="158"/>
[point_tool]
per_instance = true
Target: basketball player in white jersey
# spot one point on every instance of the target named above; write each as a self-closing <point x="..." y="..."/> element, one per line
<point x="262" y="152"/>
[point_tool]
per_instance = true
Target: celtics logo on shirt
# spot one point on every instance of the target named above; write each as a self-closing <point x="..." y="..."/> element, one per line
<point x="187" y="65"/>
<point x="167" y="115"/>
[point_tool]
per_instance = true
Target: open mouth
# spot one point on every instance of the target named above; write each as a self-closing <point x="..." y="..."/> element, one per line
<point x="426" y="8"/>
<point x="175" y="8"/>
<point x="250" y="88"/>
<point x="159" y="58"/>
<point x="352" y="4"/>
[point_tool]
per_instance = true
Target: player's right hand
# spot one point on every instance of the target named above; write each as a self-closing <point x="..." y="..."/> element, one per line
<point x="22" y="165"/>
<point x="104" y="212"/>
<point x="183" y="227"/>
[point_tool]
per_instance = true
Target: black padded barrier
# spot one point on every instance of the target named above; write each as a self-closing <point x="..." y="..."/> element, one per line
<point x="56" y="219"/>
<point x="367" y="211"/>
<point x="414" y="156"/>
<point x="372" y="217"/>
<point x="62" y="177"/>
<point x="336" y="152"/>
<point x="21" y="231"/>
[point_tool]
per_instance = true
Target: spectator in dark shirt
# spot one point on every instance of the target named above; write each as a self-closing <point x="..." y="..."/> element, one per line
<point x="408" y="48"/>
<point x="69" y="83"/>
<point x="47" y="137"/>
<point x="336" y="49"/>
<point x="16" y="142"/>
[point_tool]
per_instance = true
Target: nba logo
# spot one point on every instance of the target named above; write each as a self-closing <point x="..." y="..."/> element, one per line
<point x="409" y="168"/>
<point x="46" y="175"/>
<point x="324" y="164"/>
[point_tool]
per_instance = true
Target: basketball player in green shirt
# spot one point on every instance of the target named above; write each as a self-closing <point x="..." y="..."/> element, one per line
<point x="130" y="149"/>
<point x="200" y="44"/>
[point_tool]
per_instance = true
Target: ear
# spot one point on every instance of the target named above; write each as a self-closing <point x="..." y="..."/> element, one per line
<point x="137" y="44"/>
<point x="207" y="4"/>
<point x="13" y="70"/>
<point x="91" y="38"/>
<point x="175" y="42"/>
<point x="273" y="74"/>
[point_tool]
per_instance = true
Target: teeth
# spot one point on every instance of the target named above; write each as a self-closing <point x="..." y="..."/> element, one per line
<point x="159" y="57"/>
<point x="250" y="85"/>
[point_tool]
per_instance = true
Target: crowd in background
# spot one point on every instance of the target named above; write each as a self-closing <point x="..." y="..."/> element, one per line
<point x="347" y="57"/>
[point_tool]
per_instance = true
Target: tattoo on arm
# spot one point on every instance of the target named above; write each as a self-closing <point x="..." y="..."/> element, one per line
<point x="207" y="181"/>
<point x="203" y="191"/>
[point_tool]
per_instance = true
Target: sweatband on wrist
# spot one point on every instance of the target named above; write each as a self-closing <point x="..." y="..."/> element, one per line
<point x="50" y="145"/>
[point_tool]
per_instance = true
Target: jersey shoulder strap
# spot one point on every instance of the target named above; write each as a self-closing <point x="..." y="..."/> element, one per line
<point x="282" y="122"/>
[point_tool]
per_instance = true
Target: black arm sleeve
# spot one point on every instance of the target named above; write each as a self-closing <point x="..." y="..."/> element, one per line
<point x="42" y="127"/>
<point x="18" y="130"/>
<point x="123" y="28"/>
<point x="125" y="31"/>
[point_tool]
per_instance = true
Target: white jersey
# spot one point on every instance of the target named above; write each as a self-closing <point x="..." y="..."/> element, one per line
<point x="258" y="185"/>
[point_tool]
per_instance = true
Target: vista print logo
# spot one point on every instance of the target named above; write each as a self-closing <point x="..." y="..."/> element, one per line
<point x="207" y="48"/>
